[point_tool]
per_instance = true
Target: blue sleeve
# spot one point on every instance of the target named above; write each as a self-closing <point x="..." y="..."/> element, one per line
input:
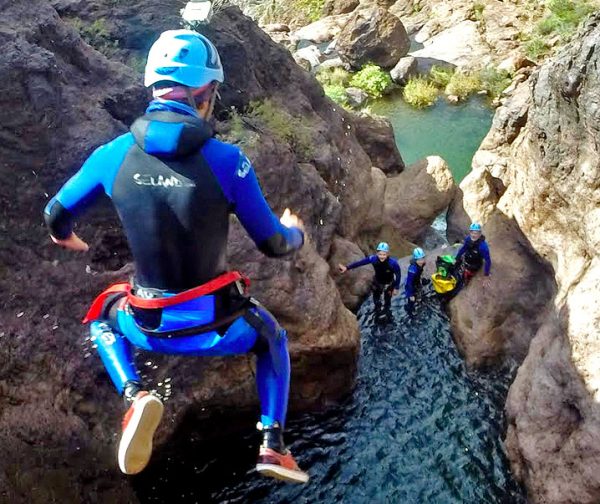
<point x="485" y="252"/>
<point x="409" y="286"/>
<point x="240" y="185"/>
<point x="94" y="177"/>
<point x="362" y="262"/>
<point x="397" y="273"/>
<point x="463" y="249"/>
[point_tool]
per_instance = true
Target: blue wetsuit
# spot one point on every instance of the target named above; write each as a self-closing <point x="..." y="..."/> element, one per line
<point x="174" y="187"/>
<point x="475" y="253"/>
<point x="413" y="283"/>
<point x="413" y="279"/>
<point x="387" y="277"/>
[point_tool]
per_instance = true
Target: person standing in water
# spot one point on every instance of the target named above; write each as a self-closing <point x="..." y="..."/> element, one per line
<point x="413" y="278"/>
<point x="474" y="254"/>
<point x="174" y="186"/>
<point x="387" y="275"/>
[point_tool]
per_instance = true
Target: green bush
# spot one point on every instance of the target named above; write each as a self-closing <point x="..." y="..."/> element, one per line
<point x="440" y="76"/>
<point x="564" y="17"/>
<point x="97" y="35"/>
<point x="419" y="92"/>
<point x="283" y="126"/>
<point x="477" y="11"/>
<point x="462" y="84"/>
<point x="333" y="76"/>
<point x="494" y="81"/>
<point x="337" y="93"/>
<point x="373" y="80"/>
<point x="536" y="48"/>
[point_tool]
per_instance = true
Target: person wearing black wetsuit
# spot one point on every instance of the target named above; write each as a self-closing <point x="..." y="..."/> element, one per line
<point x="387" y="275"/>
<point x="174" y="187"/>
<point x="474" y="253"/>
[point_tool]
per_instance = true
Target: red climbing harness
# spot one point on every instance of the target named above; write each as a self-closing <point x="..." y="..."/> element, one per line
<point x="214" y="285"/>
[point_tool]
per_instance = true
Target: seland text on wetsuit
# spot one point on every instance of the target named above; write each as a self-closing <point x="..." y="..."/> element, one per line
<point x="387" y="278"/>
<point x="174" y="188"/>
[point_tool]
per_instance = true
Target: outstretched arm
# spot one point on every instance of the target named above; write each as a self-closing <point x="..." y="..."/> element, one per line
<point x="95" y="176"/>
<point x="272" y="237"/>
<point x="60" y="212"/>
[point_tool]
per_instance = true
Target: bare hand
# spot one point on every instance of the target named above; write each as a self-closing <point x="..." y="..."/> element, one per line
<point x="288" y="219"/>
<point x="73" y="242"/>
<point x="342" y="268"/>
<point x="395" y="292"/>
<point x="412" y="299"/>
<point x="487" y="282"/>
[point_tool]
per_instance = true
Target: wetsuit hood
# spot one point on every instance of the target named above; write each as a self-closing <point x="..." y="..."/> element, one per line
<point x="165" y="133"/>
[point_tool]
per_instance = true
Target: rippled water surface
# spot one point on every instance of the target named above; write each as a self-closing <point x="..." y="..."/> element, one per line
<point x="418" y="428"/>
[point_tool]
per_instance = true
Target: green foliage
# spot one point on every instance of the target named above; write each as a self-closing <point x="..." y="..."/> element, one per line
<point x="440" y="76"/>
<point x="293" y="130"/>
<point x="477" y="11"/>
<point x="337" y="93"/>
<point x="333" y="77"/>
<point x="289" y="11"/>
<point x="494" y="81"/>
<point x="97" y="35"/>
<point x="373" y="80"/>
<point x="563" y="18"/>
<point x="536" y="48"/>
<point x="419" y="92"/>
<point x="462" y="84"/>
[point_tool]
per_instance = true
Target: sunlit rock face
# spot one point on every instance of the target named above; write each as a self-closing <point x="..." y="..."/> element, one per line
<point x="543" y="151"/>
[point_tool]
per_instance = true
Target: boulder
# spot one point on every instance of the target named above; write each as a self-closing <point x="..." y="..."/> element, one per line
<point x="373" y="35"/>
<point x="310" y="55"/>
<point x="354" y="285"/>
<point x="323" y="30"/>
<point x="543" y="148"/>
<point x="417" y="196"/>
<point x="457" y="219"/>
<point x="497" y="322"/>
<point x="333" y="63"/>
<point x="376" y="136"/>
<point x="356" y="97"/>
<point x="333" y="7"/>
<point x="404" y="70"/>
<point x="424" y="65"/>
<point x="461" y="45"/>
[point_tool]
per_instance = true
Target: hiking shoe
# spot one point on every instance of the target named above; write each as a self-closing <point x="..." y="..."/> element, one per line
<point x="139" y="424"/>
<point x="281" y="466"/>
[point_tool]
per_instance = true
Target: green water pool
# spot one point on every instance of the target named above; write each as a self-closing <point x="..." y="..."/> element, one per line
<point x="453" y="132"/>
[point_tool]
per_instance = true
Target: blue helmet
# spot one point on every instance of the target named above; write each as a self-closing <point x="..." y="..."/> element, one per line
<point x="475" y="227"/>
<point x="383" y="247"/>
<point x="418" y="253"/>
<point x="184" y="57"/>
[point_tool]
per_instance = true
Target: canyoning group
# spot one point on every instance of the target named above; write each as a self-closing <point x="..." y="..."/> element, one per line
<point x="452" y="272"/>
<point x="174" y="187"/>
